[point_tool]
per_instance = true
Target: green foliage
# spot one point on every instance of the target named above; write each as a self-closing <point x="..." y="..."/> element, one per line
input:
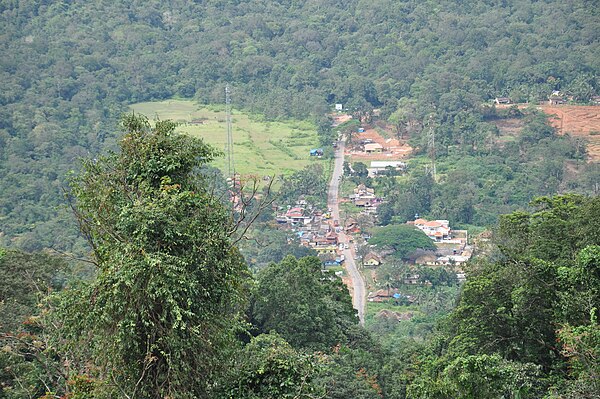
<point x="28" y="361"/>
<point x="268" y="367"/>
<point x="310" y="182"/>
<point x="161" y="312"/>
<point x="26" y="278"/>
<point x="540" y="288"/>
<point x="474" y="187"/>
<point x="268" y="244"/>
<point x="481" y="376"/>
<point x="308" y="308"/>
<point x="402" y="238"/>
<point x="351" y="373"/>
<point x="581" y="346"/>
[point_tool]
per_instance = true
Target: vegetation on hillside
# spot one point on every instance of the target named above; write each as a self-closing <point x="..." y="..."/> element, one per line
<point x="64" y="88"/>
<point x="155" y="298"/>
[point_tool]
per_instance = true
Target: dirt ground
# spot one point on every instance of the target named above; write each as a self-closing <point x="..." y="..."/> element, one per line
<point x="578" y="120"/>
<point x="394" y="149"/>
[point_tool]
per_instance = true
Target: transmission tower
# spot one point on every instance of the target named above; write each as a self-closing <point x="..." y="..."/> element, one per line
<point x="431" y="147"/>
<point x="229" y="143"/>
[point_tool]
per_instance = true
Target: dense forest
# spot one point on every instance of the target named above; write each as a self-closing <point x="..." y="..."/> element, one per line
<point x="71" y="67"/>
<point x="123" y="268"/>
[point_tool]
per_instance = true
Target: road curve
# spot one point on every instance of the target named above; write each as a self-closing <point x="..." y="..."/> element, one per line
<point x="358" y="284"/>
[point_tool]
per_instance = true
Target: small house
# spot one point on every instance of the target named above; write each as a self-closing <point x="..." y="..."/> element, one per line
<point x="556" y="100"/>
<point x="372" y="260"/>
<point x="503" y="100"/>
<point x="371" y="148"/>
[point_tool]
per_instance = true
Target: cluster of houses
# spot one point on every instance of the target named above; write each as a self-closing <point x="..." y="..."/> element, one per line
<point x="313" y="229"/>
<point x="452" y="251"/>
<point x="364" y="197"/>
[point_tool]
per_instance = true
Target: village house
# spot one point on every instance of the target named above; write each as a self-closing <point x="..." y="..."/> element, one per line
<point x="362" y="194"/>
<point x="381" y="295"/>
<point x="502" y="100"/>
<point x="437" y="230"/>
<point x="371" y="148"/>
<point x="371" y="260"/>
<point x="296" y="216"/>
<point x="326" y="249"/>
<point x="351" y="226"/>
<point x="387" y="294"/>
<point x="332" y="238"/>
<point x="556" y="99"/>
<point x="362" y="191"/>
<point x="412" y="279"/>
<point x="449" y="260"/>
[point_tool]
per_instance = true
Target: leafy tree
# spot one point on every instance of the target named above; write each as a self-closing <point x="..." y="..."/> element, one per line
<point x="537" y="290"/>
<point x="481" y="376"/>
<point x="26" y="279"/>
<point x="160" y="314"/>
<point x="310" y="182"/>
<point x="28" y="363"/>
<point x="268" y="367"/>
<point x="308" y="308"/>
<point x="360" y="169"/>
<point x="402" y="238"/>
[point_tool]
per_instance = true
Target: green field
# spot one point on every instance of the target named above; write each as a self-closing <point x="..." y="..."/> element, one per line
<point x="260" y="147"/>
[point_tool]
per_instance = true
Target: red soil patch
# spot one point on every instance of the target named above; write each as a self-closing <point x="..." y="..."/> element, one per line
<point x="393" y="149"/>
<point x="579" y="121"/>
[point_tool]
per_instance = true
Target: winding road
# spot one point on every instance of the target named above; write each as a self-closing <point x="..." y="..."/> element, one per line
<point x="358" y="284"/>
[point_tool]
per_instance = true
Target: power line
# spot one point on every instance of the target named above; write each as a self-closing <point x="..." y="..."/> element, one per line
<point x="229" y="143"/>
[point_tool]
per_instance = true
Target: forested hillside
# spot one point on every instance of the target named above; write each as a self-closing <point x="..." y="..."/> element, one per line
<point x="162" y="301"/>
<point x="70" y="67"/>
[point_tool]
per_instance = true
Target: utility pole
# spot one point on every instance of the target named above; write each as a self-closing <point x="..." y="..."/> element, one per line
<point x="431" y="147"/>
<point x="229" y="142"/>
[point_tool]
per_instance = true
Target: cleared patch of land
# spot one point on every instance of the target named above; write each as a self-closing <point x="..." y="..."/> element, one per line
<point x="393" y="149"/>
<point x="260" y="147"/>
<point x="578" y="120"/>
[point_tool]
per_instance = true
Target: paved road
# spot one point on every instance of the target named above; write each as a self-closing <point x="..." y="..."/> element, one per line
<point x="358" y="284"/>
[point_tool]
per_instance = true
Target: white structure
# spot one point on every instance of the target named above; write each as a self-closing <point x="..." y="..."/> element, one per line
<point x="338" y="107"/>
<point x="380" y="166"/>
<point x="437" y="230"/>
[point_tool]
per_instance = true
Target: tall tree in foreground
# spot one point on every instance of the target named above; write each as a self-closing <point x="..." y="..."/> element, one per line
<point x="308" y="308"/>
<point x="162" y="311"/>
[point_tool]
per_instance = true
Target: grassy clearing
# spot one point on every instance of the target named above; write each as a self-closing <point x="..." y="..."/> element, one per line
<point x="260" y="147"/>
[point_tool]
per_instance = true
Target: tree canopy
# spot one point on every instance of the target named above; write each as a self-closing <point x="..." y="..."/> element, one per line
<point x="403" y="239"/>
<point x="163" y="308"/>
<point x="306" y="307"/>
